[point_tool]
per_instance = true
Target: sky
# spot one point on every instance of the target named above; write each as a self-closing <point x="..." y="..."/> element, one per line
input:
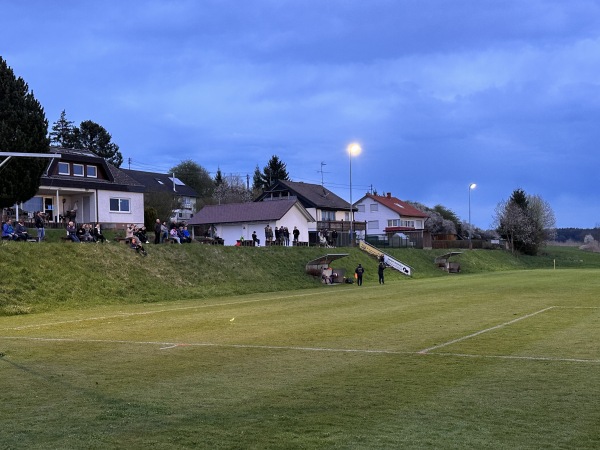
<point x="438" y="93"/>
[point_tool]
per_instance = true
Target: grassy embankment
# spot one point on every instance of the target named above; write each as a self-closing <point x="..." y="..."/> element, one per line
<point x="56" y="275"/>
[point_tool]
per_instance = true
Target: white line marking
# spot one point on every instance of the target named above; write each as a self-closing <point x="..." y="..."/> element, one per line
<point x="171" y="345"/>
<point x="454" y="341"/>
<point x="158" y="311"/>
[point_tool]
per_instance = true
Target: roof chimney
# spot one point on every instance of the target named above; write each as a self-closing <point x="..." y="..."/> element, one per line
<point x="389" y="195"/>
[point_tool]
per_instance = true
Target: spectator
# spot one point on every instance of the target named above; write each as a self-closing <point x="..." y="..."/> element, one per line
<point x="40" y="226"/>
<point x="164" y="232"/>
<point x="380" y="269"/>
<point x="157" y="232"/>
<point x="286" y="236"/>
<point x="173" y="235"/>
<point x="97" y="232"/>
<point x="130" y="230"/>
<point x="255" y="239"/>
<point x="88" y="234"/>
<point x="137" y="246"/>
<point x="8" y="232"/>
<point x="72" y="232"/>
<point x="21" y="231"/>
<point x="140" y="233"/>
<point x="186" y="235"/>
<point x="296" y="233"/>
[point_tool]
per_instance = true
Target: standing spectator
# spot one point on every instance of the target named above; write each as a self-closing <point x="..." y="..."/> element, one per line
<point x="359" y="274"/>
<point x="296" y="233"/>
<point x="334" y="235"/>
<point x="164" y="232"/>
<point x="267" y="235"/>
<point x="277" y="236"/>
<point x="286" y="236"/>
<point x="157" y="232"/>
<point x="72" y="232"/>
<point x="40" y="226"/>
<point x="380" y="269"/>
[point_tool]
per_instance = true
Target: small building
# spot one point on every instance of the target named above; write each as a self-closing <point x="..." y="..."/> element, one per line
<point x="234" y="221"/>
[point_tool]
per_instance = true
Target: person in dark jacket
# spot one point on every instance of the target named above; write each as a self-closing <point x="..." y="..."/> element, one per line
<point x="359" y="274"/>
<point x="380" y="269"/>
<point x="157" y="231"/>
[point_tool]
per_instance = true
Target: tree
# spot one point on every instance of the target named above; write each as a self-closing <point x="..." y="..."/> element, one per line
<point x="232" y="190"/>
<point x="273" y="171"/>
<point x="23" y="129"/>
<point x="196" y="177"/>
<point x="95" y="138"/>
<point x="64" y="133"/>
<point x="525" y="221"/>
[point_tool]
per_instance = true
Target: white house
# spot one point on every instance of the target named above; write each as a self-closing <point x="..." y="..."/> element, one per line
<point x="385" y="214"/>
<point x="83" y="187"/>
<point x="233" y="221"/>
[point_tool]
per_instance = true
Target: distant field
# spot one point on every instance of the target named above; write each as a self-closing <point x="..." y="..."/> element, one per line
<point x="499" y="360"/>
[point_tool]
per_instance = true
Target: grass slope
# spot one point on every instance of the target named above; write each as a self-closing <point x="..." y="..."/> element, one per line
<point x="55" y="275"/>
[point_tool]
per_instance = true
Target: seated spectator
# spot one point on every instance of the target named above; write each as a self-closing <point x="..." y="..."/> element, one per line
<point x="173" y="235"/>
<point x="137" y="246"/>
<point x="182" y="237"/>
<point x="72" y="232"/>
<point x="88" y="235"/>
<point x="186" y="235"/>
<point x="21" y="231"/>
<point x="255" y="239"/>
<point x="8" y="232"/>
<point x="97" y="232"/>
<point x="130" y="230"/>
<point x="140" y="233"/>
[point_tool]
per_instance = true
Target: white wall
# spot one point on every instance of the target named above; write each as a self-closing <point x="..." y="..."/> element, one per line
<point x="382" y="215"/>
<point x="136" y="208"/>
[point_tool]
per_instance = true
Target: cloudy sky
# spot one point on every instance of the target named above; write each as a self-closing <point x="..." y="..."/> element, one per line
<point x="439" y="93"/>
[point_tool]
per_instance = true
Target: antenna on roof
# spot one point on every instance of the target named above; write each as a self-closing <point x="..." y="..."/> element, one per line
<point x="322" y="181"/>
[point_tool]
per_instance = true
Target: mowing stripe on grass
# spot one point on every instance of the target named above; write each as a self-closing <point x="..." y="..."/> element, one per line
<point x="172" y="345"/>
<point x="460" y="339"/>
<point x="158" y="311"/>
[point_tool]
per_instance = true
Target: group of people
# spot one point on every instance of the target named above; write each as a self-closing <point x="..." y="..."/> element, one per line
<point x="178" y="234"/>
<point x="360" y="270"/>
<point x="281" y="236"/>
<point x="84" y="232"/>
<point x="15" y="233"/>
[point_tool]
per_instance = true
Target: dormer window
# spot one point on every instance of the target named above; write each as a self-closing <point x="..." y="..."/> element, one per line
<point x="92" y="172"/>
<point x="78" y="170"/>
<point x="63" y="168"/>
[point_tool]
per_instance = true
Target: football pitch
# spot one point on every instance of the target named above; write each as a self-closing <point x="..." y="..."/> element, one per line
<point x="502" y="360"/>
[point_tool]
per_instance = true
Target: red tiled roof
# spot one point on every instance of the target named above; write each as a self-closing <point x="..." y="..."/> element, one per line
<point x="402" y="208"/>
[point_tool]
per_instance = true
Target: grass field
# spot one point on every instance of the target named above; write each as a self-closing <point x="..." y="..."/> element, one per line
<point x="494" y="360"/>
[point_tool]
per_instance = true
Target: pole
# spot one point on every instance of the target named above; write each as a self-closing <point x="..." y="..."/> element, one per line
<point x="351" y="211"/>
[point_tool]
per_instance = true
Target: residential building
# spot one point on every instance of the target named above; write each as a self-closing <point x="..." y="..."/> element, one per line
<point x="330" y="211"/>
<point x="83" y="187"/>
<point x="388" y="217"/>
<point x="159" y="182"/>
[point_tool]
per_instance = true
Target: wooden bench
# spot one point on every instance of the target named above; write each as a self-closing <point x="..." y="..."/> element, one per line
<point x="300" y="244"/>
<point x="123" y="240"/>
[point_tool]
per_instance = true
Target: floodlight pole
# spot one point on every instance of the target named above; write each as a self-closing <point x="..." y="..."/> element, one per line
<point x="471" y="187"/>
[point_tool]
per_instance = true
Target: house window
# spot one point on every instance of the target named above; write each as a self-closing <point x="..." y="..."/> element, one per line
<point x="394" y="223"/>
<point x="327" y="215"/>
<point x="119" y="205"/>
<point x="78" y="170"/>
<point x="346" y="216"/>
<point x="361" y="208"/>
<point x="63" y="168"/>
<point x="92" y="172"/>
<point x="373" y="207"/>
<point x="419" y="223"/>
<point x="373" y="225"/>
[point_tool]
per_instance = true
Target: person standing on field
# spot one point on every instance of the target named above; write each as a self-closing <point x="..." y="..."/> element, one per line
<point x="359" y="274"/>
<point x="39" y="224"/>
<point x="380" y="269"/>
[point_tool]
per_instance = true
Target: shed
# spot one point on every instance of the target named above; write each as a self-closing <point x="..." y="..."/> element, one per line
<point x="444" y="263"/>
<point x="319" y="267"/>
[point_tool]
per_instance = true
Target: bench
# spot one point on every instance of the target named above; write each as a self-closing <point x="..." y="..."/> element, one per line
<point x="300" y="244"/>
<point x="123" y="240"/>
<point x="245" y="243"/>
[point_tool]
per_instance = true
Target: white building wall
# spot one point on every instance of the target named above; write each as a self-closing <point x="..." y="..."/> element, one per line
<point x="136" y="208"/>
<point x="378" y="218"/>
<point x="231" y="233"/>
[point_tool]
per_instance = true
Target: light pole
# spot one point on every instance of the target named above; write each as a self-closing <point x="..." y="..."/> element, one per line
<point x="471" y="187"/>
<point x="353" y="150"/>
